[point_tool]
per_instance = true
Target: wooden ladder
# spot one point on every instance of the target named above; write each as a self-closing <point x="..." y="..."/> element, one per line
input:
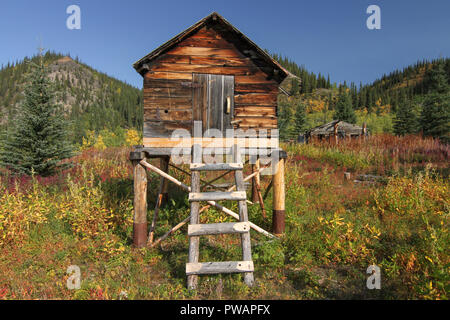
<point x="195" y="268"/>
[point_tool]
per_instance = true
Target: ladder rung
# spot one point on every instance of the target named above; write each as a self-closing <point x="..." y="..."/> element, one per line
<point x="218" y="228"/>
<point x="215" y="196"/>
<point x="216" y="166"/>
<point x="219" y="267"/>
<point x="225" y="185"/>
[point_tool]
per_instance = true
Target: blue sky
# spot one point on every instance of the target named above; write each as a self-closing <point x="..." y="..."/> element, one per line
<point x="325" y="36"/>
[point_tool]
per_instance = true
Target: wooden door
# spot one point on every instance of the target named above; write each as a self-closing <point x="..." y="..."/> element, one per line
<point x="213" y="100"/>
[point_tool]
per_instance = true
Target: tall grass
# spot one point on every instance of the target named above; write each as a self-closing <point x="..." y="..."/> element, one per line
<point x="334" y="229"/>
<point x="382" y="153"/>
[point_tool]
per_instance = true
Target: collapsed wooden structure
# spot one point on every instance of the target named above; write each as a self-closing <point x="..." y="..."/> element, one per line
<point x="336" y="130"/>
<point x="209" y="78"/>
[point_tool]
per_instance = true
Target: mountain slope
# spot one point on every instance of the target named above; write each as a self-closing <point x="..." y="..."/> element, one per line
<point x="94" y="101"/>
<point x="398" y="87"/>
<point x="390" y="90"/>
<point x="375" y="103"/>
<point x="91" y="99"/>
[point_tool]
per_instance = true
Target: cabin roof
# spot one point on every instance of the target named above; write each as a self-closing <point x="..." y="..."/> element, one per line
<point x="247" y="47"/>
<point x="328" y="128"/>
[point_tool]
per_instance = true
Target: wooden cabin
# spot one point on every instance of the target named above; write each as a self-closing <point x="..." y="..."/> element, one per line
<point x="212" y="73"/>
<point x="336" y="130"/>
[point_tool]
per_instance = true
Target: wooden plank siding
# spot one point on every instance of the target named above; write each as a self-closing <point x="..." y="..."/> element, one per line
<point x="168" y="97"/>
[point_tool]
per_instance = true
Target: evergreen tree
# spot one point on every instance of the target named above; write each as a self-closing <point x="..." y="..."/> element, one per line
<point x="436" y="79"/>
<point x="369" y="100"/>
<point x="284" y="120"/>
<point x="330" y="102"/>
<point x="343" y="109"/>
<point x="125" y="99"/>
<point x="295" y="86"/>
<point x="300" y="119"/>
<point x="435" y="116"/>
<point x="36" y="142"/>
<point x="405" y="120"/>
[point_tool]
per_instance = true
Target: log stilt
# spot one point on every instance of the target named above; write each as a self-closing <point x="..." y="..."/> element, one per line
<point x="266" y="193"/>
<point x="261" y="204"/>
<point x="255" y="182"/>
<point x="161" y="198"/>
<point x="278" y="224"/>
<point x="164" y="164"/>
<point x="140" y="205"/>
<point x="159" y="201"/>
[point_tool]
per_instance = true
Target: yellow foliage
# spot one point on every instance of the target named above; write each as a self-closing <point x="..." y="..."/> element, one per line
<point x="89" y="141"/>
<point x="107" y="138"/>
<point x="99" y="144"/>
<point x="84" y="209"/>
<point x="378" y="102"/>
<point x="315" y="105"/>
<point x="132" y="137"/>
<point x="19" y="212"/>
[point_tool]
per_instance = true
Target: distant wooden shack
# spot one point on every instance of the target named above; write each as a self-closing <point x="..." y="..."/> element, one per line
<point x="335" y="130"/>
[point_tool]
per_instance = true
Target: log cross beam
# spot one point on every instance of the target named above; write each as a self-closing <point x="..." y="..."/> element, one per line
<point x="205" y="183"/>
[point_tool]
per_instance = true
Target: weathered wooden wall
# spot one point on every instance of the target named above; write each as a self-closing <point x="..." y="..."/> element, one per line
<point x="168" y="97"/>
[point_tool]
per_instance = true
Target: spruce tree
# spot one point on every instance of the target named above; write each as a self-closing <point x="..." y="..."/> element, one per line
<point x="295" y="87"/>
<point x="436" y="79"/>
<point x="284" y="120"/>
<point x="435" y="116"/>
<point x="300" y="119"/>
<point x="343" y="109"/>
<point x="37" y="139"/>
<point x="405" y="120"/>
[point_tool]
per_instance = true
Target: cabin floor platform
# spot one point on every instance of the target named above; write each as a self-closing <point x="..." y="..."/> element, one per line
<point x="141" y="152"/>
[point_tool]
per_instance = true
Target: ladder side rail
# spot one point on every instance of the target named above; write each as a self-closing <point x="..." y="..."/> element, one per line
<point x="243" y="216"/>
<point x="194" y="241"/>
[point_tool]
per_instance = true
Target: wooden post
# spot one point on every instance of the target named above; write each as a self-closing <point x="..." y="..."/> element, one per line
<point x="159" y="200"/>
<point x="164" y="163"/>
<point x="335" y="132"/>
<point x="255" y="182"/>
<point x="140" y="200"/>
<point x="278" y="217"/>
<point x="268" y="189"/>
<point x="347" y="176"/>
<point x="364" y="131"/>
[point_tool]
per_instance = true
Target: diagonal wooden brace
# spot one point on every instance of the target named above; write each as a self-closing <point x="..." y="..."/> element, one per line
<point x="213" y="203"/>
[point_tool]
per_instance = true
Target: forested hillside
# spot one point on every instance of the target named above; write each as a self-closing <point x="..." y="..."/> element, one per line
<point x="398" y="87"/>
<point x="313" y="99"/>
<point x="92" y="100"/>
